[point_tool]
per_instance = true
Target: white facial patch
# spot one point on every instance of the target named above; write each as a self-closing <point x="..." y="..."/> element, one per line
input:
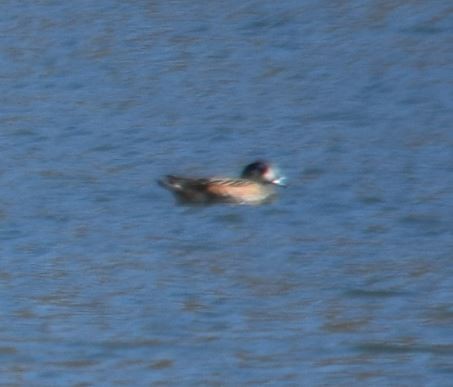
<point x="270" y="174"/>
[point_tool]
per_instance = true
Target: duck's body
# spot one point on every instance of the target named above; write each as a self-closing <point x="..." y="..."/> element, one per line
<point x="213" y="190"/>
<point x="255" y="186"/>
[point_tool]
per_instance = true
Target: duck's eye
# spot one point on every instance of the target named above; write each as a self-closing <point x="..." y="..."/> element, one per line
<point x="264" y="168"/>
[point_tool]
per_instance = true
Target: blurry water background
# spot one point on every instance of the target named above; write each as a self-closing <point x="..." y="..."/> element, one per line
<point x="347" y="279"/>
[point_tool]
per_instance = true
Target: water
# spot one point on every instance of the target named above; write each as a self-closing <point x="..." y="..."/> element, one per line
<point x="345" y="280"/>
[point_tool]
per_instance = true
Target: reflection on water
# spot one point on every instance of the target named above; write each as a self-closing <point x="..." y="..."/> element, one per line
<point x="344" y="280"/>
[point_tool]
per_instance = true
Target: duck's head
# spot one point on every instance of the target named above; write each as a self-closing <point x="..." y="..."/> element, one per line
<point x="263" y="172"/>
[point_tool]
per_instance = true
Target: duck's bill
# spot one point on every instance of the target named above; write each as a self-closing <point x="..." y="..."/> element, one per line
<point x="281" y="181"/>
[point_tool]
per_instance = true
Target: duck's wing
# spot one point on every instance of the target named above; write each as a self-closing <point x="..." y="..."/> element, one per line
<point x="187" y="190"/>
<point x="235" y="190"/>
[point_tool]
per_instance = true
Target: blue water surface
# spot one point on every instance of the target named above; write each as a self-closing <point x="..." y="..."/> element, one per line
<point x="345" y="280"/>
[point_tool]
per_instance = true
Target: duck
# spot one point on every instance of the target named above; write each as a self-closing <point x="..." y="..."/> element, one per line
<point x="254" y="186"/>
